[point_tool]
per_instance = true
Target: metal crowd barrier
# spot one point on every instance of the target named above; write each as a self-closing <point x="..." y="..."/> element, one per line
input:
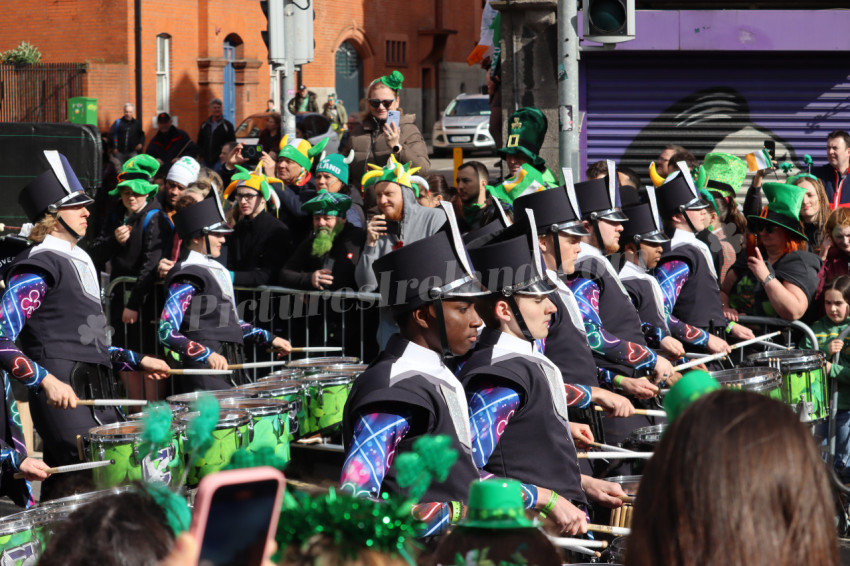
<point x="780" y="323"/>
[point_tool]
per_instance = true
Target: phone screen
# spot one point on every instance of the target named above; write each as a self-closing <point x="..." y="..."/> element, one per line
<point x="238" y="524"/>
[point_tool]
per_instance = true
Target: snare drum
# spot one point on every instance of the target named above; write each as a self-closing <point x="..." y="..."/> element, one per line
<point x="188" y="398"/>
<point x="271" y="423"/>
<point x="283" y="374"/>
<point x="120" y="442"/>
<point x="617" y="551"/>
<point x="804" y="383"/>
<point x="231" y="433"/>
<point x="324" y="398"/>
<point x="285" y="390"/>
<point x="349" y="369"/>
<point x="19" y="541"/>
<point x="764" y="380"/>
<point x="646" y="438"/>
<point x="176" y="412"/>
<point x="318" y="365"/>
<point x="51" y="514"/>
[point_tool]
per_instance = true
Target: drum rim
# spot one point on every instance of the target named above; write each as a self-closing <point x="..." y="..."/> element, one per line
<point x="226" y="418"/>
<point x="11" y="525"/>
<point x="268" y="386"/>
<point x="648" y="430"/>
<point x="48" y="508"/>
<point x="764" y="381"/>
<point x="305" y="363"/>
<point x="802" y="361"/>
<point x="345" y="368"/>
<point x="326" y="380"/>
<point x="93" y="434"/>
<point x="264" y="408"/>
<point x="193" y="396"/>
<point x="176" y="409"/>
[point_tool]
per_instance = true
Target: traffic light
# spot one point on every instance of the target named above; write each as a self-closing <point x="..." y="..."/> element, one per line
<point x="273" y="36"/>
<point x="609" y="21"/>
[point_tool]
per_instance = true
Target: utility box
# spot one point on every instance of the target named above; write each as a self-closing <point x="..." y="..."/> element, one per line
<point x="82" y="110"/>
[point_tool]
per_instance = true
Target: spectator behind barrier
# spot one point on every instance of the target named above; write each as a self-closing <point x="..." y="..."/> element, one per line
<point x="837" y="245"/>
<point x="813" y="212"/>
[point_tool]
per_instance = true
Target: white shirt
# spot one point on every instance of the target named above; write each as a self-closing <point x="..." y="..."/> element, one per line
<point x="83" y="265"/>
<point x="683" y="237"/>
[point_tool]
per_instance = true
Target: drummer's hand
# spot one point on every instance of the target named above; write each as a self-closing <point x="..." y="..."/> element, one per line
<point x="217" y="361"/>
<point x="59" y="394"/>
<point x="663" y="370"/>
<point x="741" y="332"/>
<point x="568" y="519"/>
<point x="731" y="314"/>
<point x="605" y="492"/>
<point x="155" y="368"/>
<point x="835" y="346"/>
<point x="34" y="470"/>
<point x="673" y="347"/>
<point x="581" y="434"/>
<point x="129" y="316"/>
<point x="616" y="405"/>
<point x="639" y="387"/>
<point x="281" y="346"/>
<point x="676" y="376"/>
<point x="717" y="345"/>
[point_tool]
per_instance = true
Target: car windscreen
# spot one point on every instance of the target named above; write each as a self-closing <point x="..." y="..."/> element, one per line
<point x="468" y="107"/>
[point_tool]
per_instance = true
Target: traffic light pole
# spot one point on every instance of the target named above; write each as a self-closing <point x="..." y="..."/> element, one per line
<point x="288" y="73"/>
<point x="568" y="82"/>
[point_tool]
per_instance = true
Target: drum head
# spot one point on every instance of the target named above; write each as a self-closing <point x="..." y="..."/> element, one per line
<point x="756" y="379"/>
<point x="227" y="418"/>
<point x="257" y="407"/>
<point x="60" y="508"/>
<point x="323" y="361"/>
<point x="617" y="549"/>
<point x="189" y="398"/>
<point x="270" y="388"/>
<point x="327" y="379"/>
<point x="115" y="433"/>
<point x="789" y="360"/>
<point x="283" y="374"/>
<point x="350" y="369"/>
<point x="176" y="411"/>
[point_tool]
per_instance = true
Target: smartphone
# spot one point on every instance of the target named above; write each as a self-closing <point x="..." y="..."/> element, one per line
<point x="393" y="227"/>
<point x="393" y="117"/>
<point x="752" y="242"/>
<point x="235" y="515"/>
<point x="770" y="146"/>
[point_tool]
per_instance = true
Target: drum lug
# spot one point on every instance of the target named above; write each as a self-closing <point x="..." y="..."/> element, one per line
<point x="321" y="393"/>
<point x="239" y="438"/>
<point x="251" y="431"/>
<point x="137" y="460"/>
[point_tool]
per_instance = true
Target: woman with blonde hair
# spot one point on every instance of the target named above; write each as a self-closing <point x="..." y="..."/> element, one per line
<point x="813" y="212"/>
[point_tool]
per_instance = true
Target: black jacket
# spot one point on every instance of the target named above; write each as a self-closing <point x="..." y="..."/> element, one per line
<point x="257" y="249"/>
<point x="210" y="141"/>
<point x="169" y="145"/>
<point x="344" y="256"/>
<point x="127" y="134"/>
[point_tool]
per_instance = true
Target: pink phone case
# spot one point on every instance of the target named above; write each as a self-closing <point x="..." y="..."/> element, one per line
<point x="210" y="484"/>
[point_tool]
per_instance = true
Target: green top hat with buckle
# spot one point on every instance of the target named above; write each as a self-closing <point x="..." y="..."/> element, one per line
<point x="783" y="208"/>
<point x="724" y="173"/>
<point x="496" y="504"/>
<point x="136" y="174"/>
<point x="526" y="131"/>
<point x="327" y="204"/>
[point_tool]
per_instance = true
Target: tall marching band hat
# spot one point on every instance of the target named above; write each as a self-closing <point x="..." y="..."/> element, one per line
<point x="56" y="188"/>
<point x="678" y="193"/>
<point x="644" y="223"/>
<point x="599" y="199"/>
<point x="428" y="270"/>
<point x="783" y="208"/>
<point x="526" y="132"/>
<point x="202" y="218"/>
<point x="555" y="210"/>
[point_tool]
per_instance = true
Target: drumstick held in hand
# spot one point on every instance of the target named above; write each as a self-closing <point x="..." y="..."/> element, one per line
<point x="645" y="412"/>
<point x="619" y="531"/>
<point x="72" y="468"/>
<point x="614" y="455"/>
<point x="721" y="355"/>
<point x="317" y="349"/>
<point x="200" y="371"/>
<point x="609" y="447"/>
<point x="111" y="402"/>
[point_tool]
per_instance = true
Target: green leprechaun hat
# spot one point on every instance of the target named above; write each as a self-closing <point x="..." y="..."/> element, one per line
<point x="526" y="131"/>
<point x="136" y="174"/>
<point x="327" y="204"/>
<point x="783" y="208"/>
<point x="496" y="504"/>
<point x="724" y="173"/>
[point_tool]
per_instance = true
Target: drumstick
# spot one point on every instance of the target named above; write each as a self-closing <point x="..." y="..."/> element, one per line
<point x="565" y="541"/>
<point x="609" y="447"/>
<point x="619" y="531"/>
<point x="111" y="402"/>
<point x="199" y="371"/>
<point x="626" y="498"/>
<point x="72" y="468"/>
<point x="721" y="355"/>
<point x="646" y="412"/>
<point x="252" y="365"/>
<point x="317" y="349"/>
<point x="614" y="455"/>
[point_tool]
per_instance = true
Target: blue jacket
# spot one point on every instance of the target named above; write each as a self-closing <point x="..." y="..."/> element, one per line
<point x="833" y="184"/>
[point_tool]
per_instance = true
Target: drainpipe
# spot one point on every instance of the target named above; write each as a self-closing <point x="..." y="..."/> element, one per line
<point x="137" y="17"/>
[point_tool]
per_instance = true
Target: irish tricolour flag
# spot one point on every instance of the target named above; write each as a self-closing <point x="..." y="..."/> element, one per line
<point x="759" y="160"/>
<point x="527" y="180"/>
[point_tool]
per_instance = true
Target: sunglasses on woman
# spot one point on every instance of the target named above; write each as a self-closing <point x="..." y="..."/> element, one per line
<point x="764" y="226"/>
<point x="375" y="102"/>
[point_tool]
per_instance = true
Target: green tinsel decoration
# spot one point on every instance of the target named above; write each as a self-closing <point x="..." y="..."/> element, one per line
<point x="431" y="459"/>
<point x="175" y="507"/>
<point x="156" y="429"/>
<point x="199" y="432"/>
<point x="263" y="456"/>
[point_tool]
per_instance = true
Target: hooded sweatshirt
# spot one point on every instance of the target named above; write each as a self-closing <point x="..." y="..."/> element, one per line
<point x="826" y="331"/>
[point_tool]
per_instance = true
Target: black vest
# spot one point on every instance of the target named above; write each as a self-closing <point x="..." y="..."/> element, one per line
<point x="640" y="292"/>
<point x="616" y="310"/>
<point x="537" y="446"/>
<point x="69" y="324"/>
<point x="211" y="316"/>
<point x="698" y="303"/>
<point x="421" y="394"/>
<point x="567" y="347"/>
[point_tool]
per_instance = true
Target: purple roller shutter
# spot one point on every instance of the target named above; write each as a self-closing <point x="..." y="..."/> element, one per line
<point x="638" y="102"/>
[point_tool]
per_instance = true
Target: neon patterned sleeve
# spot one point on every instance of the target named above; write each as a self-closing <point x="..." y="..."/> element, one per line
<point x="672" y="276"/>
<point x="605" y="377"/>
<point x="578" y="396"/>
<point x="23" y="296"/>
<point x="178" y="300"/>
<point x="652" y="334"/>
<point x="123" y="359"/>
<point x="255" y="335"/>
<point x="601" y="341"/>
<point x="490" y="410"/>
<point x="10" y="459"/>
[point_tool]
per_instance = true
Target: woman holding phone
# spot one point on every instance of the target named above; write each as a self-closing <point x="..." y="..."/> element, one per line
<point x="386" y="131"/>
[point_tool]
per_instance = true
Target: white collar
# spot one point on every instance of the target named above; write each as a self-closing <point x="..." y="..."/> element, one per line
<point x="426" y="358"/>
<point x="631" y="269"/>
<point x="81" y="261"/>
<point x="61" y="245"/>
<point x="588" y="249"/>
<point x="513" y="344"/>
<point x="683" y="237"/>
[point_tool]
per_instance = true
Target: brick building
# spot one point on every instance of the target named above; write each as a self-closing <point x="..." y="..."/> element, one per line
<point x="194" y="50"/>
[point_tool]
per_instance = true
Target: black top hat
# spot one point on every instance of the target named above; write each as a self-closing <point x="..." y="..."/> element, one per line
<point x="555" y="210"/>
<point x="510" y="262"/>
<point x="436" y="267"/>
<point x="56" y="188"/>
<point x="678" y="193"/>
<point x="599" y="198"/>
<point x="643" y="224"/>
<point x="205" y="217"/>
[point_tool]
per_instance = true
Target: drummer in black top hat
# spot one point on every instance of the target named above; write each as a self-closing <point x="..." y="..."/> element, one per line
<point x="517" y="403"/>
<point x="52" y="307"/>
<point x="686" y="271"/>
<point x="408" y="391"/>
<point x="199" y="321"/>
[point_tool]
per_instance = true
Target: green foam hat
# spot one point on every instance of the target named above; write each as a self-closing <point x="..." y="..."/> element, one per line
<point x="301" y="151"/>
<point x="393" y="80"/>
<point x="328" y="204"/>
<point x="496" y="504"/>
<point x="392" y="172"/>
<point x="724" y="172"/>
<point x="688" y="389"/>
<point x="136" y="174"/>
<point x="783" y="208"/>
<point x="336" y="164"/>
<point x="526" y="131"/>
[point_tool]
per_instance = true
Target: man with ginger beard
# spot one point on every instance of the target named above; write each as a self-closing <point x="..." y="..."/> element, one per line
<point x="327" y="259"/>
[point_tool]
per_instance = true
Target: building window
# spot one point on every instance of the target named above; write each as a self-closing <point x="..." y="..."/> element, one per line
<point x="396" y="52"/>
<point x="163" y="62"/>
